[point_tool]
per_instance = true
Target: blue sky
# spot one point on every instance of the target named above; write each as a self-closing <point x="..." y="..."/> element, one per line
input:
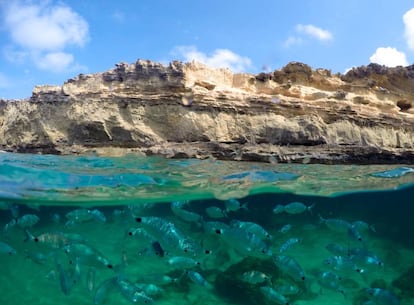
<point x="47" y="42"/>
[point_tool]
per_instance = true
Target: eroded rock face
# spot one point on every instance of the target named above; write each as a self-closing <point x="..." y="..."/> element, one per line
<point x="190" y="110"/>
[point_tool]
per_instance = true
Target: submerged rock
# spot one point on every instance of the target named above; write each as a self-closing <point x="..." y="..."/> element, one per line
<point x="295" y="114"/>
<point x="404" y="283"/>
<point x="232" y="285"/>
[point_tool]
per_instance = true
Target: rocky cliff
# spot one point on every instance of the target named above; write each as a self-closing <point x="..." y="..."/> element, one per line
<point x="294" y="114"/>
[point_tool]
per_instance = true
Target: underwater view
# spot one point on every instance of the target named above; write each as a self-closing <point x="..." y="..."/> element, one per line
<point x="149" y="230"/>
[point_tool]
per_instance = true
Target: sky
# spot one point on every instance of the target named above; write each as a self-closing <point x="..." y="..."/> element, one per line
<point x="47" y="42"/>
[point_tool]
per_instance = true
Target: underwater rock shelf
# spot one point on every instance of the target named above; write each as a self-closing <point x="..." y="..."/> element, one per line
<point x="183" y="110"/>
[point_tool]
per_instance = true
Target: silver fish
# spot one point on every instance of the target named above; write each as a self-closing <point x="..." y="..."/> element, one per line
<point x="342" y="263"/>
<point x="197" y="278"/>
<point x="290" y="267"/>
<point x="287" y="289"/>
<point x="182" y="262"/>
<point x="149" y="289"/>
<point x="337" y="249"/>
<point x="297" y="208"/>
<point x="329" y="280"/>
<point x="169" y="236"/>
<point x="6" y="248"/>
<point x="382" y="296"/>
<point x="335" y="224"/>
<point x="251" y="227"/>
<point x="244" y="242"/>
<point x="103" y="289"/>
<point x="87" y="255"/>
<point x="273" y="296"/>
<point x="90" y="278"/>
<point x="254" y="277"/>
<point x="27" y="221"/>
<point x="233" y="205"/>
<point x="133" y="293"/>
<point x="215" y="212"/>
<point x="278" y="209"/>
<point x="178" y="210"/>
<point x="286" y="228"/>
<point x="289" y="243"/>
<point x="65" y="280"/>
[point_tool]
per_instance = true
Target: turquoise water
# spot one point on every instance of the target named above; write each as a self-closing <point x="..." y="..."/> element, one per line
<point x="96" y="230"/>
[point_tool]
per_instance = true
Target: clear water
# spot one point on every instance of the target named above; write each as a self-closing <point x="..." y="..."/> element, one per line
<point x="105" y="255"/>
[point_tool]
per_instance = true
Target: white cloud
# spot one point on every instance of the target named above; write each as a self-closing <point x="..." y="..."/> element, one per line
<point x="220" y="58"/>
<point x="314" y="32"/>
<point x="55" y="61"/>
<point x="408" y="19"/>
<point x="390" y="57"/>
<point x="292" y="40"/>
<point x="43" y="30"/>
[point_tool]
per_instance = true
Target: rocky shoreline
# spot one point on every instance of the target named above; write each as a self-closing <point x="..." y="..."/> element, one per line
<point x="295" y="114"/>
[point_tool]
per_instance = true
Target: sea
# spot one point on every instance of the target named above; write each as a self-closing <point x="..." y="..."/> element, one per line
<point x="98" y="230"/>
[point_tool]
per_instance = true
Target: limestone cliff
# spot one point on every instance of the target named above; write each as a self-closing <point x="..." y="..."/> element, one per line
<point x="190" y="110"/>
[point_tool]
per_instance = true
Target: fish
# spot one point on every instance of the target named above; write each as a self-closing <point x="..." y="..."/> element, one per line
<point x="156" y="278"/>
<point x="379" y="296"/>
<point x="329" y="280"/>
<point x="197" y="278"/>
<point x="244" y="242"/>
<point x="182" y="262"/>
<point x="251" y="227"/>
<point x="87" y="255"/>
<point x="37" y="257"/>
<point x="278" y="209"/>
<point x="342" y="263"/>
<point x="364" y="256"/>
<point x="168" y="235"/>
<point x="9" y="226"/>
<point x="54" y="240"/>
<point x="233" y="205"/>
<point x="65" y="280"/>
<point x="286" y="228"/>
<point x="132" y="292"/>
<point x="103" y="289"/>
<point x="179" y="211"/>
<point x="216" y="212"/>
<point x="273" y="296"/>
<point x="335" y="224"/>
<point x="90" y="279"/>
<point x="297" y="208"/>
<point x="287" y="289"/>
<point x="337" y="249"/>
<point x="149" y="289"/>
<point x="7" y="249"/>
<point x="83" y="215"/>
<point x="27" y="221"/>
<point x="290" y="267"/>
<point x="255" y="277"/>
<point x="289" y="243"/>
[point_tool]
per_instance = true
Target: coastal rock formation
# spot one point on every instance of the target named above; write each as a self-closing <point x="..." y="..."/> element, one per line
<point x="295" y="114"/>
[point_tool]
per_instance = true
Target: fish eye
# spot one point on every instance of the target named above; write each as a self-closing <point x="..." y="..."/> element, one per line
<point x="218" y="231"/>
<point x="138" y="219"/>
<point x="36" y="239"/>
<point x="130" y="233"/>
<point x="207" y="251"/>
<point x="303" y="278"/>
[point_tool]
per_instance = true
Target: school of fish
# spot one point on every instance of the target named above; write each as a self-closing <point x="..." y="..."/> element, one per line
<point x="148" y="250"/>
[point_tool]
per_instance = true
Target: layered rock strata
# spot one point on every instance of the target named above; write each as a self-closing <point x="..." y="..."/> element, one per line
<point x="295" y="114"/>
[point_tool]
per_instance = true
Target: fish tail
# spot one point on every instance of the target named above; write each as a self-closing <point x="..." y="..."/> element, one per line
<point x="29" y="236"/>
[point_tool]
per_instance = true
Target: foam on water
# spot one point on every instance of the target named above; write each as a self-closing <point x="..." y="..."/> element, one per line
<point x="49" y="266"/>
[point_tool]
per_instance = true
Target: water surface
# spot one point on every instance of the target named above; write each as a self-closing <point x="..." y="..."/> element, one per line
<point x="108" y="230"/>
